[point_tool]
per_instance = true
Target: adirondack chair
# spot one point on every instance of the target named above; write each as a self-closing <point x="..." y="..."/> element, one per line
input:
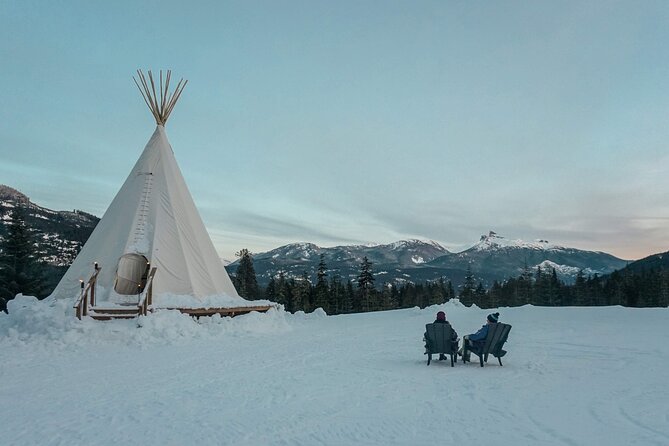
<point x="439" y="340"/>
<point x="497" y="335"/>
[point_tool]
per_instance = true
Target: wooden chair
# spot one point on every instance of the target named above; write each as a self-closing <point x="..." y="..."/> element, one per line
<point x="494" y="341"/>
<point x="439" y="340"/>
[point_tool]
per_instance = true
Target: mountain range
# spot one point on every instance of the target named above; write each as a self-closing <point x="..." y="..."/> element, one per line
<point x="492" y="258"/>
<point x="59" y="235"/>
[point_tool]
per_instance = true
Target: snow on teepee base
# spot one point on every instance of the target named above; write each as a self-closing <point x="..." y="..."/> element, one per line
<point x="151" y="249"/>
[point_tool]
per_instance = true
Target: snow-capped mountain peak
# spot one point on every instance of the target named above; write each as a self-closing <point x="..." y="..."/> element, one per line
<point x="302" y="250"/>
<point x="413" y="244"/>
<point x="493" y="241"/>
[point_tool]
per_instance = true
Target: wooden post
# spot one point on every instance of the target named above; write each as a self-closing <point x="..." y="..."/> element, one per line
<point x="78" y="311"/>
<point x="84" y="300"/>
<point x="149" y="295"/>
<point x="95" y="281"/>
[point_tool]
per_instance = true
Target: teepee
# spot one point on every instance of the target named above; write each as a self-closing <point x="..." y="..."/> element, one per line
<point x="153" y="225"/>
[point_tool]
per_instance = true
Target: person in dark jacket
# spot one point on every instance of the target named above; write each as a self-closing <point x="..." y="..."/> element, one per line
<point x="475" y="341"/>
<point x="441" y="319"/>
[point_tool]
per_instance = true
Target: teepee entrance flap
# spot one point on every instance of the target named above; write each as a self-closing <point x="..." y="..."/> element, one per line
<point x="131" y="274"/>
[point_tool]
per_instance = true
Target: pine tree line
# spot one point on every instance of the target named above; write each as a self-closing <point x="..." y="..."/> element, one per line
<point x="630" y="289"/>
<point x="336" y="295"/>
<point x="537" y="287"/>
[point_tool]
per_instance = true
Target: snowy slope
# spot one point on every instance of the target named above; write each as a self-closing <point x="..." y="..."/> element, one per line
<point x="576" y="376"/>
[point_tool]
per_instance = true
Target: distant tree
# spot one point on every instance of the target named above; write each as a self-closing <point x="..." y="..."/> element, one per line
<point x="480" y="296"/>
<point x="245" y="279"/>
<point x="270" y="291"/>
<point x="366" y="285"/>
<point x="336" y="296"/>
<point x="283" y="292"/>
<point x="321" y="291"/>
<point x="468" y="287"/>
<point x="349" y="298"/>
<point x="495" y="295"/>
<point x="301" y="294"/>
<point x="436" y="293"/>
<point x="524" y="286"/>
<point x="554" y="286"/>
<point x="664" y="288"/>
<point x="580" y="289"/>
<point x="19" y="270"/>
<point x="450" y="290"/>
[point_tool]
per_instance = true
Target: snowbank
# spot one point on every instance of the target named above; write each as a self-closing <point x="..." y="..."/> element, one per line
<point x="51" y="322"/>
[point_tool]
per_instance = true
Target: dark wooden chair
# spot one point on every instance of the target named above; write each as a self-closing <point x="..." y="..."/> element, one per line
<point x="497" y="336"/>
<point x="439" y="340"/>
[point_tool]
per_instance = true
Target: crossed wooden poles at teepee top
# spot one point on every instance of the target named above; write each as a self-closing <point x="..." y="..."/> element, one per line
<point x="161" y="109"/>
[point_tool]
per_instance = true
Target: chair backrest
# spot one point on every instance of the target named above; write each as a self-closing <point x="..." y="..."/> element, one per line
<point x="439" y="338"/>
<point x="497" y="335"/>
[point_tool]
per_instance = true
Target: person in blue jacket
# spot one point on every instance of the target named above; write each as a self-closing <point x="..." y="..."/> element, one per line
<point x="476" y="341"/>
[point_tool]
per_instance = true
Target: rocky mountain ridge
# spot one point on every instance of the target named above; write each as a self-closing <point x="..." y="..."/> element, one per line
<point x="58" y="235"/>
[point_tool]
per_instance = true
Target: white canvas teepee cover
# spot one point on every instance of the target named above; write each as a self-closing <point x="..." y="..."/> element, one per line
<point x="154" y="215"/>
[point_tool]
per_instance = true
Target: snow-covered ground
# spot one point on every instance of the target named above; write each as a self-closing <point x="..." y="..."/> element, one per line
<point x="575" y="376"/>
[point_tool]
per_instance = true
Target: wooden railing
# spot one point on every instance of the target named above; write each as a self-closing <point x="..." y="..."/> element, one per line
<point x="146" y="298"/>
<point x="87" y="296"/>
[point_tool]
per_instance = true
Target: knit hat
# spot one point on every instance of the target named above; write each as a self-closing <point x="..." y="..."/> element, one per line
<point x="493" y="317"/>
<point x="441" y="316"/>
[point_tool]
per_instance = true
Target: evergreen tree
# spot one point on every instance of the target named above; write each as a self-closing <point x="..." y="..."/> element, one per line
<point x="321" y="291"/>
<point x="524" y="286"/>
<point x="554" y="286"/>
<point x="270" y="291"/>
<point x="245" y="279"/>
<point x="349" y="296"/>
<point x="302" y="294"/>
<point x="283" y="294"/>
<point x="436" y="293"/>
<point x="580" y="290"/>
<point x="539" y="295"/>
<point x="614" y="288"/>
<point x="468" y="287"/>
<point x="384" y="298"/>
<point x="664" y="288"/>
<point x="495" y="295"/>
<point x="480" y="296"/>
<point x="19" y="270"/>
<point x="336" y="296"/>
<point x="394" y="296"/>
<point x="366" y="285"/>
<point x="451" y="291"/>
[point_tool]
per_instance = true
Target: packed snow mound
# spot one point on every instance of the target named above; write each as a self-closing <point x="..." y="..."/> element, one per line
<point x="318" y="313"/>
<point x="52" y="322"/>
<point x="453" y="303"/>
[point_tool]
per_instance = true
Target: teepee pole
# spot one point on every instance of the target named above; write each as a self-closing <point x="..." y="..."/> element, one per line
<point x="162" y="107"/>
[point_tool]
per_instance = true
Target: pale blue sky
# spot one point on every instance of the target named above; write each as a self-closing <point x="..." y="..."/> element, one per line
<point x="355" y="122"/>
